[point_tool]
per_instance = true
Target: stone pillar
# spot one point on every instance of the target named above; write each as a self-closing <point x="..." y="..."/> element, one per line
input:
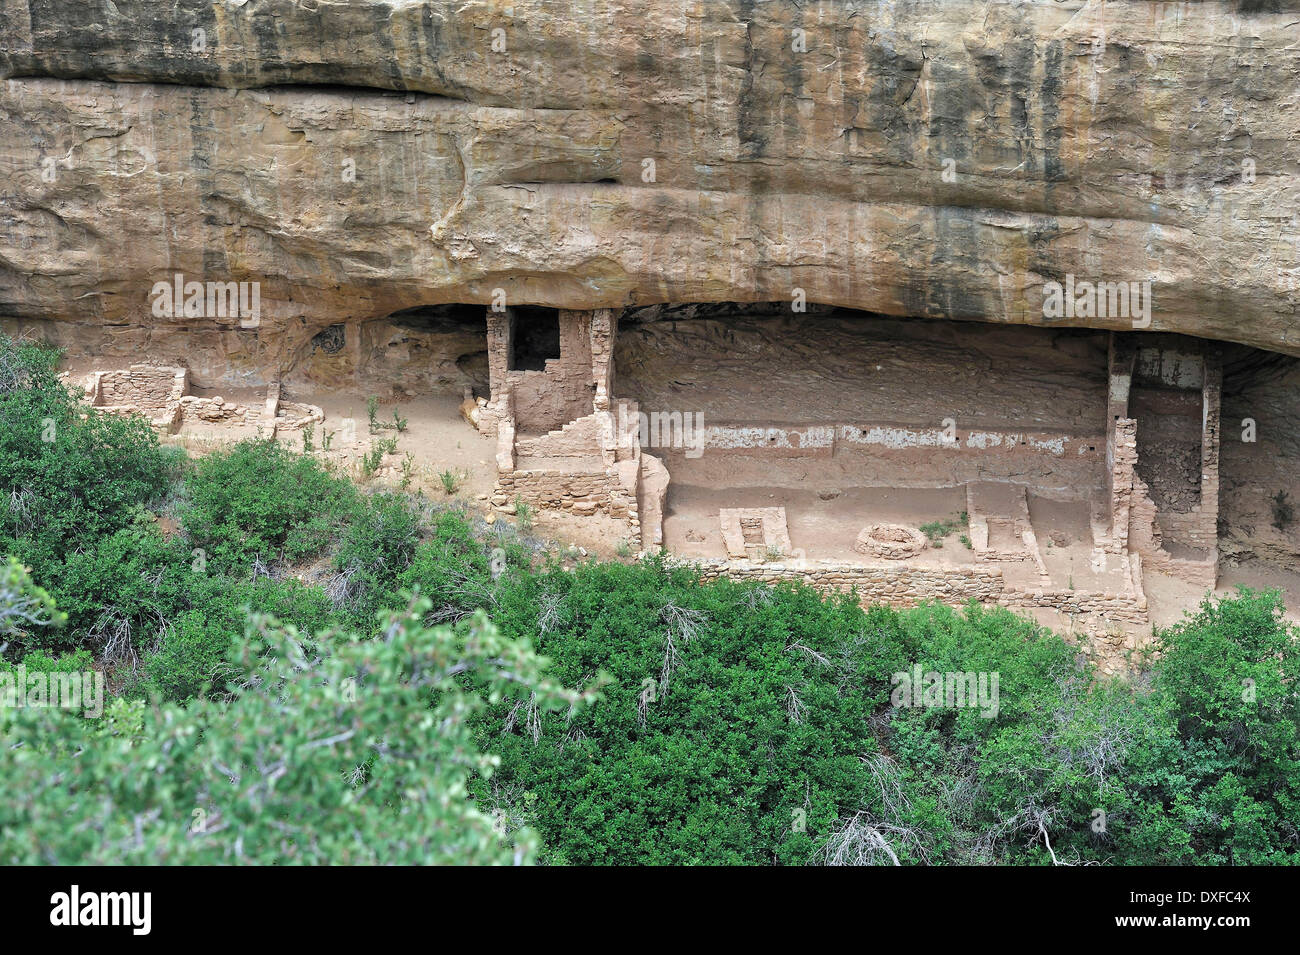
<point x="1211" y="397"/>
<point x="500" y="332"/>
<point x="604" y="327"/>
<point x="1124" y="460"/>
<point x="505" y="433"/>
<point x="1121" y="441"/>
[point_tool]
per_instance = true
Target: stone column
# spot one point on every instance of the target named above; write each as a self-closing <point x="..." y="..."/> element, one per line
<point x="604" y="327"/>
<point x="500" y="332"/>
<point x="1211" y="397"/>
<point x="1121" y="447"/>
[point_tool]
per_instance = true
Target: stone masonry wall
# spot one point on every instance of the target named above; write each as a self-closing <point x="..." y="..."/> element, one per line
<point x="546" y="400"/>
<point x="907" y="586"/>
<point x="577" y="492"/>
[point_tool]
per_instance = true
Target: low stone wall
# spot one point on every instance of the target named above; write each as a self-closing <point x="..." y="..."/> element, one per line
<point x="904" y="586"/>
<point x="888" y="584"/>
<point x="151" y="389"/>
<point x="1116" y="607"/>
<point x="581" y="493"/>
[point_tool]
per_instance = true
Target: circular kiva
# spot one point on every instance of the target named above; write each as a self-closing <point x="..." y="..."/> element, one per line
<point x="890" y="541"/>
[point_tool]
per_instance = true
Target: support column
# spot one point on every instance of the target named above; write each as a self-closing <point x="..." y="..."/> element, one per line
<point x="1211" y="398"/>
<point x="500" y="335"/>
<point x="604" y="327"/>
<point x="1121" y="439"/>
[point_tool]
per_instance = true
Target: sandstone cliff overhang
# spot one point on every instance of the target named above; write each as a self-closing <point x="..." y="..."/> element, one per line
<point x="930" y="159"/>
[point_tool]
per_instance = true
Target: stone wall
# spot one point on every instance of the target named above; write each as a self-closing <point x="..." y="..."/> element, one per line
<point x="903" y="585"/>
<point x="545" y="400"/>
<point x="1146" y="539"/>
<point x="1151" y="529"/>
<point x="892" y="584"/>
<point x="560" y="446"/>
<point x="1123" y="442"/>
<point x="582" y="493"/>
<point x="151" y="389"/>
<point x="583" y="437"/>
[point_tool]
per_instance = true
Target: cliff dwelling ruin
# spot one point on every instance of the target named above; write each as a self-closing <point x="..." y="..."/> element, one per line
<point x="1055" y="471"/>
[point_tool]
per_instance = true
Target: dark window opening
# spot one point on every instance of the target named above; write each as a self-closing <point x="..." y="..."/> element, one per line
<point x="536" y="338"/>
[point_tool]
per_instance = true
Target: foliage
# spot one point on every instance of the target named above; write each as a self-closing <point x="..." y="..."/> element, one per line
<point x="746" y="725"/>
<point x="23" y="605"/>
<point x="1217" y="777"/>
<point x="335" y="751"/>
<point x="68" y="473"/>
<point x="377" y="546"/>
<point x="259" y="500"/>
<point x="936" y="531"/>
<point x="451" y="480"/>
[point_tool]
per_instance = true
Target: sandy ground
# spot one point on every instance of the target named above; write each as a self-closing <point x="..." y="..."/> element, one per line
<point x="823" y="524"/>
<point x="1169" y="599"/>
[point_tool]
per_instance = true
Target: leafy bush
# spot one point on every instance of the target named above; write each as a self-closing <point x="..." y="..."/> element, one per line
<point x="24" y="607"/>
<point x="354" y="752"/>
<point x="1217" y="777"/>
<point x="377" y="547"/>
<point x="259" y="500"/>
<point x="453" y="569"/>
<point x="190" y="659"/>
<point x="746" y="725"/>
<point x="38" y="661"/>
<point x="68" y="473"/>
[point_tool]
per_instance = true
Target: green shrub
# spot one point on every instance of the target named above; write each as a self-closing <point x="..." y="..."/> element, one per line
<point x="729" y="716"/>
<point x="68" y="473"/>
<point x="258" y="499"/>
<point x="191" y="658"/>
<point x="454" y="568"/>
<point x="38" y="661"/>
<point x="1217" y="774"/>
<point x="321" y="743"/>
<point x="451" y="479"/>
<point x="24" y="607"/>
<point x="377" y="547"/>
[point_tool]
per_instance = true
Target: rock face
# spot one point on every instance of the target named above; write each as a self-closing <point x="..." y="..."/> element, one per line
<point x="924" y="158"/>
